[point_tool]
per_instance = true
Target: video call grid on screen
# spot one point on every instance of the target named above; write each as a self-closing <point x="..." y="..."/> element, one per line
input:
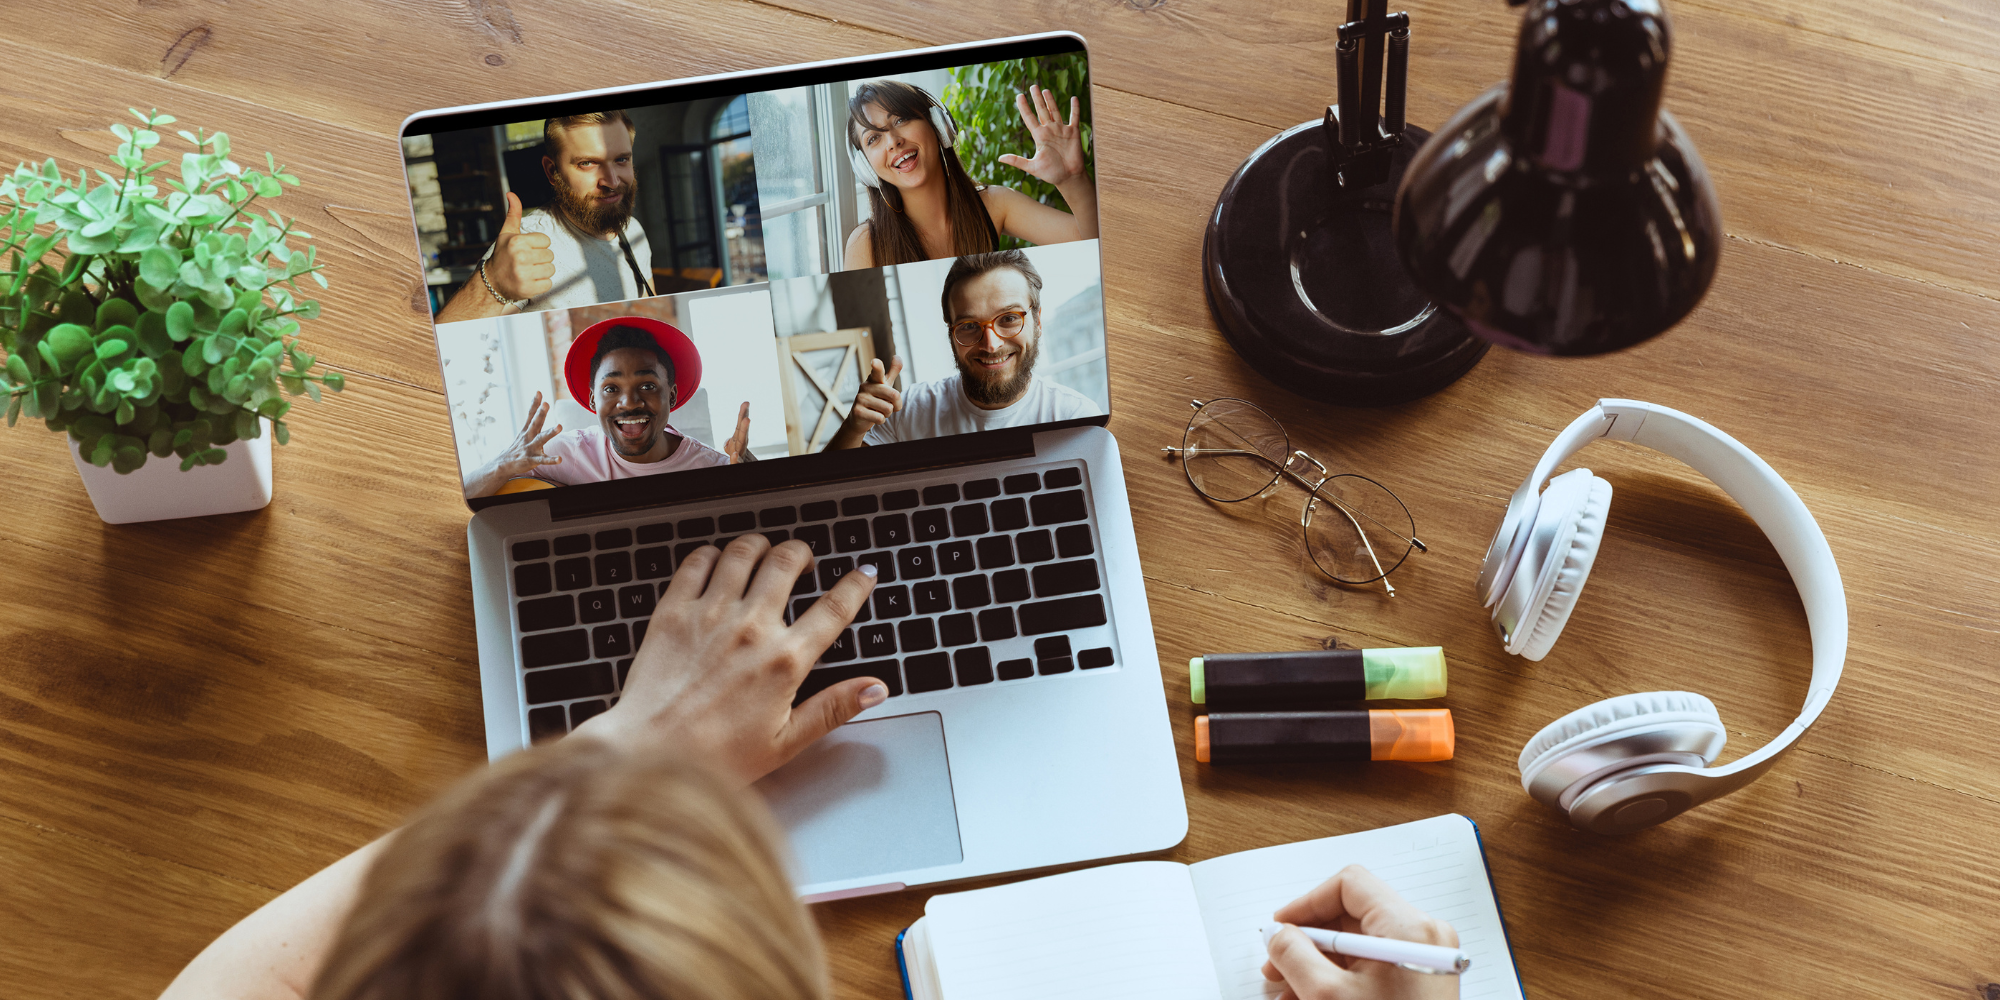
<point x="730" y="224"/>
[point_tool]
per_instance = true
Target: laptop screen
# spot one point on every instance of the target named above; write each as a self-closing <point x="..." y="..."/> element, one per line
<point x="853" y="259"/>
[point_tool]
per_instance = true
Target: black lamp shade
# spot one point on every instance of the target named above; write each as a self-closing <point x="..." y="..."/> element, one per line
<point x="1564" y="212"/>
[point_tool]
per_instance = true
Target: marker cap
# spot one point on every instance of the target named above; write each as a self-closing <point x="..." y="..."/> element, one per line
<point x="1413" y="673"/>
<point x="1411" y="734"/>
<point x="1197" y="682"/>
<point x="1201" y="747"/>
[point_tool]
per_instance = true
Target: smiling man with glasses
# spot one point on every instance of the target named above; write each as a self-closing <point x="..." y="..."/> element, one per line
<point x="993" y="315"/>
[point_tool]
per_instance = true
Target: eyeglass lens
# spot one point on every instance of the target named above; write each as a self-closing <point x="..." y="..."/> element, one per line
<point x="1007" y="324"/>
<point x="1356" y="530"/>
<point x="1233" y="450"/>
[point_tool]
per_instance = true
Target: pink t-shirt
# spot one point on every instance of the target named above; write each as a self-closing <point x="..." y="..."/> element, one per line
<point x="587" y="457"/>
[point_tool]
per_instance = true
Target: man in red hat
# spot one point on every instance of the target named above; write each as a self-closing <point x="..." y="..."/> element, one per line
<point x="633" y="372"/>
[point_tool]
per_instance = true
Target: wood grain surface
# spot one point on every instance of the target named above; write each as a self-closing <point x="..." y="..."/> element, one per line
<point x="196" y="715"/>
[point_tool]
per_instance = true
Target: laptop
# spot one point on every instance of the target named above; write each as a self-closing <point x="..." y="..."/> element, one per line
<point x="669" y="315"/>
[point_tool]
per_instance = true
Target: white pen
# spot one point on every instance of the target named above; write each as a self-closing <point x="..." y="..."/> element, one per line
<point x="1431" y="958"/>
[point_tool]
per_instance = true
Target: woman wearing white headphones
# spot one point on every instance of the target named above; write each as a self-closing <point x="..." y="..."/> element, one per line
<point x="923" y="205"/>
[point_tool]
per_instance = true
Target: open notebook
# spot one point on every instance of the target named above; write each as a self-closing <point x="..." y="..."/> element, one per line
<point x="1166" y="931"/>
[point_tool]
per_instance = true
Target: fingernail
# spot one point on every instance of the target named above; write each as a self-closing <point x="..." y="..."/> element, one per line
<point x="869" y="569"/>
<point x="873" y="695"/>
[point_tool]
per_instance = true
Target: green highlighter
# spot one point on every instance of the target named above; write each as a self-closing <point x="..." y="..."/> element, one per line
<point x="1234" y="680"/>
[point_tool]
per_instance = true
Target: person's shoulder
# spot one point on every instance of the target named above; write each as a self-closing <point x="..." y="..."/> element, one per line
<point x="574" y="439"/>
<point x="933" y="394"/>
<point x="539" y="219"/>
<point x="859" y="251"/>
<point x="1068" y="402"/>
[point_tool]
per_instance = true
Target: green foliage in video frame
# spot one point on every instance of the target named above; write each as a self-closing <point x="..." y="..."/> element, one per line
<point x="981" y="100"/>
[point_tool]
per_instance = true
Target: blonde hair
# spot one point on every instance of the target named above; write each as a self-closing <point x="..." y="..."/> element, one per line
<point x="554" y="128"/>
<point x="581" y="872"/>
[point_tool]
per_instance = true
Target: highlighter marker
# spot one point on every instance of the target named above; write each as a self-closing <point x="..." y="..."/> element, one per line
<point x="1244" y="680"/>
<point x="1408" y="734"/>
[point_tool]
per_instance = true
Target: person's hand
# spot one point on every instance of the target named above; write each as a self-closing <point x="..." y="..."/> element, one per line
<point x="525" y="455"/>
<point x="1058" y="144"/>
<point x="522" y="266"/>
<point x="738" y="445"/>
<point x="873" y="403"/>
<point x="715" y="676"/>
<point x="1357" y="902"/>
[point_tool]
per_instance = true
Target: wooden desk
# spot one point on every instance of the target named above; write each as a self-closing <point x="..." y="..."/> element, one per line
<point x="194" y="716"/>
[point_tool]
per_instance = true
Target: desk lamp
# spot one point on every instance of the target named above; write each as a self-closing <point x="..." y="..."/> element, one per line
<point x="1564" y="212"/>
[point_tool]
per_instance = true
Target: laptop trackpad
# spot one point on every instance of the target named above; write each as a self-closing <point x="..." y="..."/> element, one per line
<point x="870" y="798"/>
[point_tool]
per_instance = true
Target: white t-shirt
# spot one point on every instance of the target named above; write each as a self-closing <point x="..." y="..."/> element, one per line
<point x="587" y="457"/>
<point x="588" y="270"/>
<point x="937" y="409"/>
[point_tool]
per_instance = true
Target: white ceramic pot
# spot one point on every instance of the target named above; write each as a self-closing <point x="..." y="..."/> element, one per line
<point x="159" y="490"/>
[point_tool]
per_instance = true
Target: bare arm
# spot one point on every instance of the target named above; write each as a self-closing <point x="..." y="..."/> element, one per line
<point x="521" y="266"/>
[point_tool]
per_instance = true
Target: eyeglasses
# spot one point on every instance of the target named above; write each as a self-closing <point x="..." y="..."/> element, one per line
<point x="1008" y="325"/>
<point x="1355" y="529"/>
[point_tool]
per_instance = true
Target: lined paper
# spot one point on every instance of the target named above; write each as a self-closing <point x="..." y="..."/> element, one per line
<point x="1123" y="930"/>
<point x="1435" y="863"/>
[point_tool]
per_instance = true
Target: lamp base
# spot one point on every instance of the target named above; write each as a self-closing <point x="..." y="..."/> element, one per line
<point x="1304" y="281"/>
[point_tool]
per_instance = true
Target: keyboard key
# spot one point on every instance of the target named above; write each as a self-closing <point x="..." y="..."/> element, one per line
<point x="970" y="592"/>
<point x="878" y="640"/>
<point x="566" y="683"/>
<point x="1061" y="665"/>
<point x="685" y="549"/>
<point x="597" y="606"/>
<point x="917" y="633"/>
<point x="932" y="596"/>
<point x="974" y="666"/>
<point x="1014" y="670"/>
<point x="1091" y="659"/>
<point x="569" y="545"/>
<point x="582" y="710"/>
<point x="957" y="630"/>
<point x="546" y="613"/>
<point x="968" y="520"/>
<point x="980" y="489"/>
<point x="816" y="537"/>
<point x="1034" y="546"/>
<point x="1010" y="514"/>
<point x="825" y="677"/>
<point x="532" y="579"/>
<point x="737" y="523"/>
<point x="572" y="574"/>
<point x="1052" y="647"/>
<point x="955" y="557"/>
<point x="1065" y="614"/>
<point x="819" y="510"/>
<point x="651" y="534"/>
<point x="1055" y="508"/>
<point x="614" y="568"/>
<point x="611" y="641"/>
<point x="636" y="602"/>
<point x="1056" y="479"/>
<point x="942" y="493"/>
<point x="857" y="506"/>
<point x="695" y="527"/>
<point x="546" y="723"/>
<point x="831" y="570"/>
<point x="892" y="602"/>
<point x="916" y="563"/>
<point x="850" y="536"/>
<point x="994" y="551"/>
<point x="842" y="648"/>
<point x="892" y="529"/>
<point x="932" y="525"/>
<point x="1065" y="577"/>
<point x="899" y="500"/>
<point x="777" y="537"/>
<point x="778" y="517"/>
<point x="884" y="563"/>
<point x="652" y="564"/>
<point x="1074" y="541"/>
<point x="929" y="672"/>
<point x="1026" y="482"/>
<point x="1010" y="586"/>
<point x="624" y="668"/>
<point x="614" y="538"/>
<point x="536" y="549"/>
<point x="996" y="624"/>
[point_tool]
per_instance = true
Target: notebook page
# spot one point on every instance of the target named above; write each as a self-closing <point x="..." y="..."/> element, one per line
<point x="1130" y="930"/>
<point x="1435" y="863"/>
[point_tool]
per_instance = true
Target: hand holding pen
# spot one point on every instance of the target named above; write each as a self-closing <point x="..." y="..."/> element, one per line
<point x="1354" y="901"/>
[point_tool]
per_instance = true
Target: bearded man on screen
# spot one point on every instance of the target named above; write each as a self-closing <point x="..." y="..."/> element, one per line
<point x="581" y="249"/>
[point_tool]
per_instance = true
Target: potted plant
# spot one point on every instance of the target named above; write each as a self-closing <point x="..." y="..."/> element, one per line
<point x="152" y="325"/>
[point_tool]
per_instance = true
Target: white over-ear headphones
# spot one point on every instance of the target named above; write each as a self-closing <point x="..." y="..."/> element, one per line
<point x="1640" y="759"/>
<point x="941" y="122"/>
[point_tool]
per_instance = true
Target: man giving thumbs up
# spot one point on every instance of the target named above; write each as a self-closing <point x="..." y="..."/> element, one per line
<point x="873" y="403"/>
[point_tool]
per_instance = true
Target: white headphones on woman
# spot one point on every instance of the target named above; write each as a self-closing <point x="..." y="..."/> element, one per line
<point x="1637" y="760"/>
<point x="941" y="122"/>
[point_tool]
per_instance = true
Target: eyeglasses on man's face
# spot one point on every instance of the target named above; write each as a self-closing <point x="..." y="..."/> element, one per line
<point x="1356" y="531"/>
<point x="1006" y="325"/>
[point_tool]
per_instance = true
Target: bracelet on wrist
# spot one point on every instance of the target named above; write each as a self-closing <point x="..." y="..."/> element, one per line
<point x="497" y="297"/>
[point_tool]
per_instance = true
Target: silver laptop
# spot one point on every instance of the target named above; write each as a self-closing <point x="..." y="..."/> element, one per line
<point x="731" y="296"/>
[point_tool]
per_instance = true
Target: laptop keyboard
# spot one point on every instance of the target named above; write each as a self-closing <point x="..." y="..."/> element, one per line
<point x="981" y="581"/>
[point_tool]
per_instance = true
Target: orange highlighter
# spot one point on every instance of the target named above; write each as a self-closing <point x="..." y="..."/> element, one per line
<point x="1407" y="734"/>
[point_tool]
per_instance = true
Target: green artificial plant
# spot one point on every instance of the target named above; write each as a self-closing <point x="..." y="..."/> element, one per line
<point x="981" y="100"/>
<point x="161" y="325"/>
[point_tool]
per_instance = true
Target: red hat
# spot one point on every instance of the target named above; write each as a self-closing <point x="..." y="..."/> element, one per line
<point x="680" y="351"/>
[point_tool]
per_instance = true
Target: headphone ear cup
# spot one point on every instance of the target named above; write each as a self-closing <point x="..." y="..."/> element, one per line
<point x="1572" y="561"/>
<point x="863" y="170"/>
<point x="947" y="130"/>
<point x="1679" y="727"/>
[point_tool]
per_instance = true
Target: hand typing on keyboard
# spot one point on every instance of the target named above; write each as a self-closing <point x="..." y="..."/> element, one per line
<point x="718" y="668"/>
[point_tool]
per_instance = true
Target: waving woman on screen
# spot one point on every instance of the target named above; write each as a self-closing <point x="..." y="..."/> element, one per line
<point x="921" y="202"/>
